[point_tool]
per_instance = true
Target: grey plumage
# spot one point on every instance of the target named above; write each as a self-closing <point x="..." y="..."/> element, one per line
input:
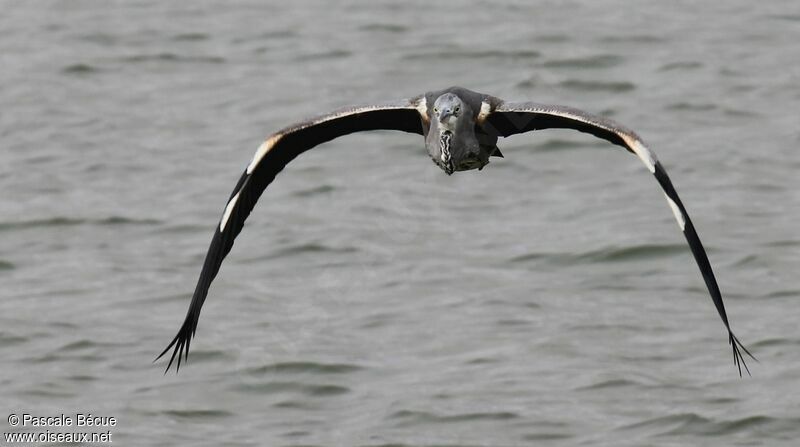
<point x="456" y="110"/>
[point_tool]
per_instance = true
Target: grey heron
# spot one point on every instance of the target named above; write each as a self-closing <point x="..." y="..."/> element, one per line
<point x="461" y="128"/>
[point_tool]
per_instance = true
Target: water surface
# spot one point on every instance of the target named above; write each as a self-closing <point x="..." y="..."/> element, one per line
<point x="371" y="300"/>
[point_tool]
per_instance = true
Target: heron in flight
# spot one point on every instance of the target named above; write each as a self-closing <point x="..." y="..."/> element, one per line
<point x="461" y="128"/>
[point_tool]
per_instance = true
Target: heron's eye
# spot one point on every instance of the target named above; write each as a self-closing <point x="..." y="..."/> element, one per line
<point x="457" y="109"/>
<point x="435" y="110"/>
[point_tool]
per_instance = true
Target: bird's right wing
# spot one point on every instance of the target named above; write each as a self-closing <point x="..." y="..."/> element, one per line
<point x="270" y="158"/>
<point x="513" y="118"/>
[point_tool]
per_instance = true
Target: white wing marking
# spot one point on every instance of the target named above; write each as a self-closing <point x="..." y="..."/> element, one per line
<point x="644" y="154"/>
<point x="422" y="108"/>
<point x="677" y="212"/>
<point x="262" y="151"/>
<point x="486" y="108"/>
<point x="227" y="214"/>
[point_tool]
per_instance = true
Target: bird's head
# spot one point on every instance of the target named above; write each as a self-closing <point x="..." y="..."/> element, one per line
<point x="451" y="141"/>
<point x="448" y="110"/>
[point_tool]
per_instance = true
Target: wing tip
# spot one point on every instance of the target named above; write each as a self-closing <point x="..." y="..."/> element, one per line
<point x="180" y="348"/>
<point x="738" y="359"/>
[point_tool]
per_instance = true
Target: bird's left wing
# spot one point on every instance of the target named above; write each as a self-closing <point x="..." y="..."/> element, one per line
<point x="270" y="158"/>
<point x="512" y="118"/>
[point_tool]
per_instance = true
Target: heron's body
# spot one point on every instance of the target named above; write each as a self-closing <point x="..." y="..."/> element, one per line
<point x="470" y="144"/>
<point x="461" y="130"/>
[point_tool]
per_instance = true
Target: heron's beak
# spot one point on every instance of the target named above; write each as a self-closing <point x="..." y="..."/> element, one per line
<point x="445" y="114"/>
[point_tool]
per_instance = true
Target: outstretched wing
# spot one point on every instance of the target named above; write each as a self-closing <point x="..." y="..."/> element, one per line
<point x="510" y="118"/>
<point x="270" y="158"/>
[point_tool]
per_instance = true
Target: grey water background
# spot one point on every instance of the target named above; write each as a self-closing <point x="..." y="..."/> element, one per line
<point x="372" y="300"/>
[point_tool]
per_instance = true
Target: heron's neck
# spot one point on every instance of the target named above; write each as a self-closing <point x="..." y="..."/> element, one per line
<point x="445" y="138"/>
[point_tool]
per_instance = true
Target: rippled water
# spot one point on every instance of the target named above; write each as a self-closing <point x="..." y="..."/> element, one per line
<point x="371" y="300"/>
